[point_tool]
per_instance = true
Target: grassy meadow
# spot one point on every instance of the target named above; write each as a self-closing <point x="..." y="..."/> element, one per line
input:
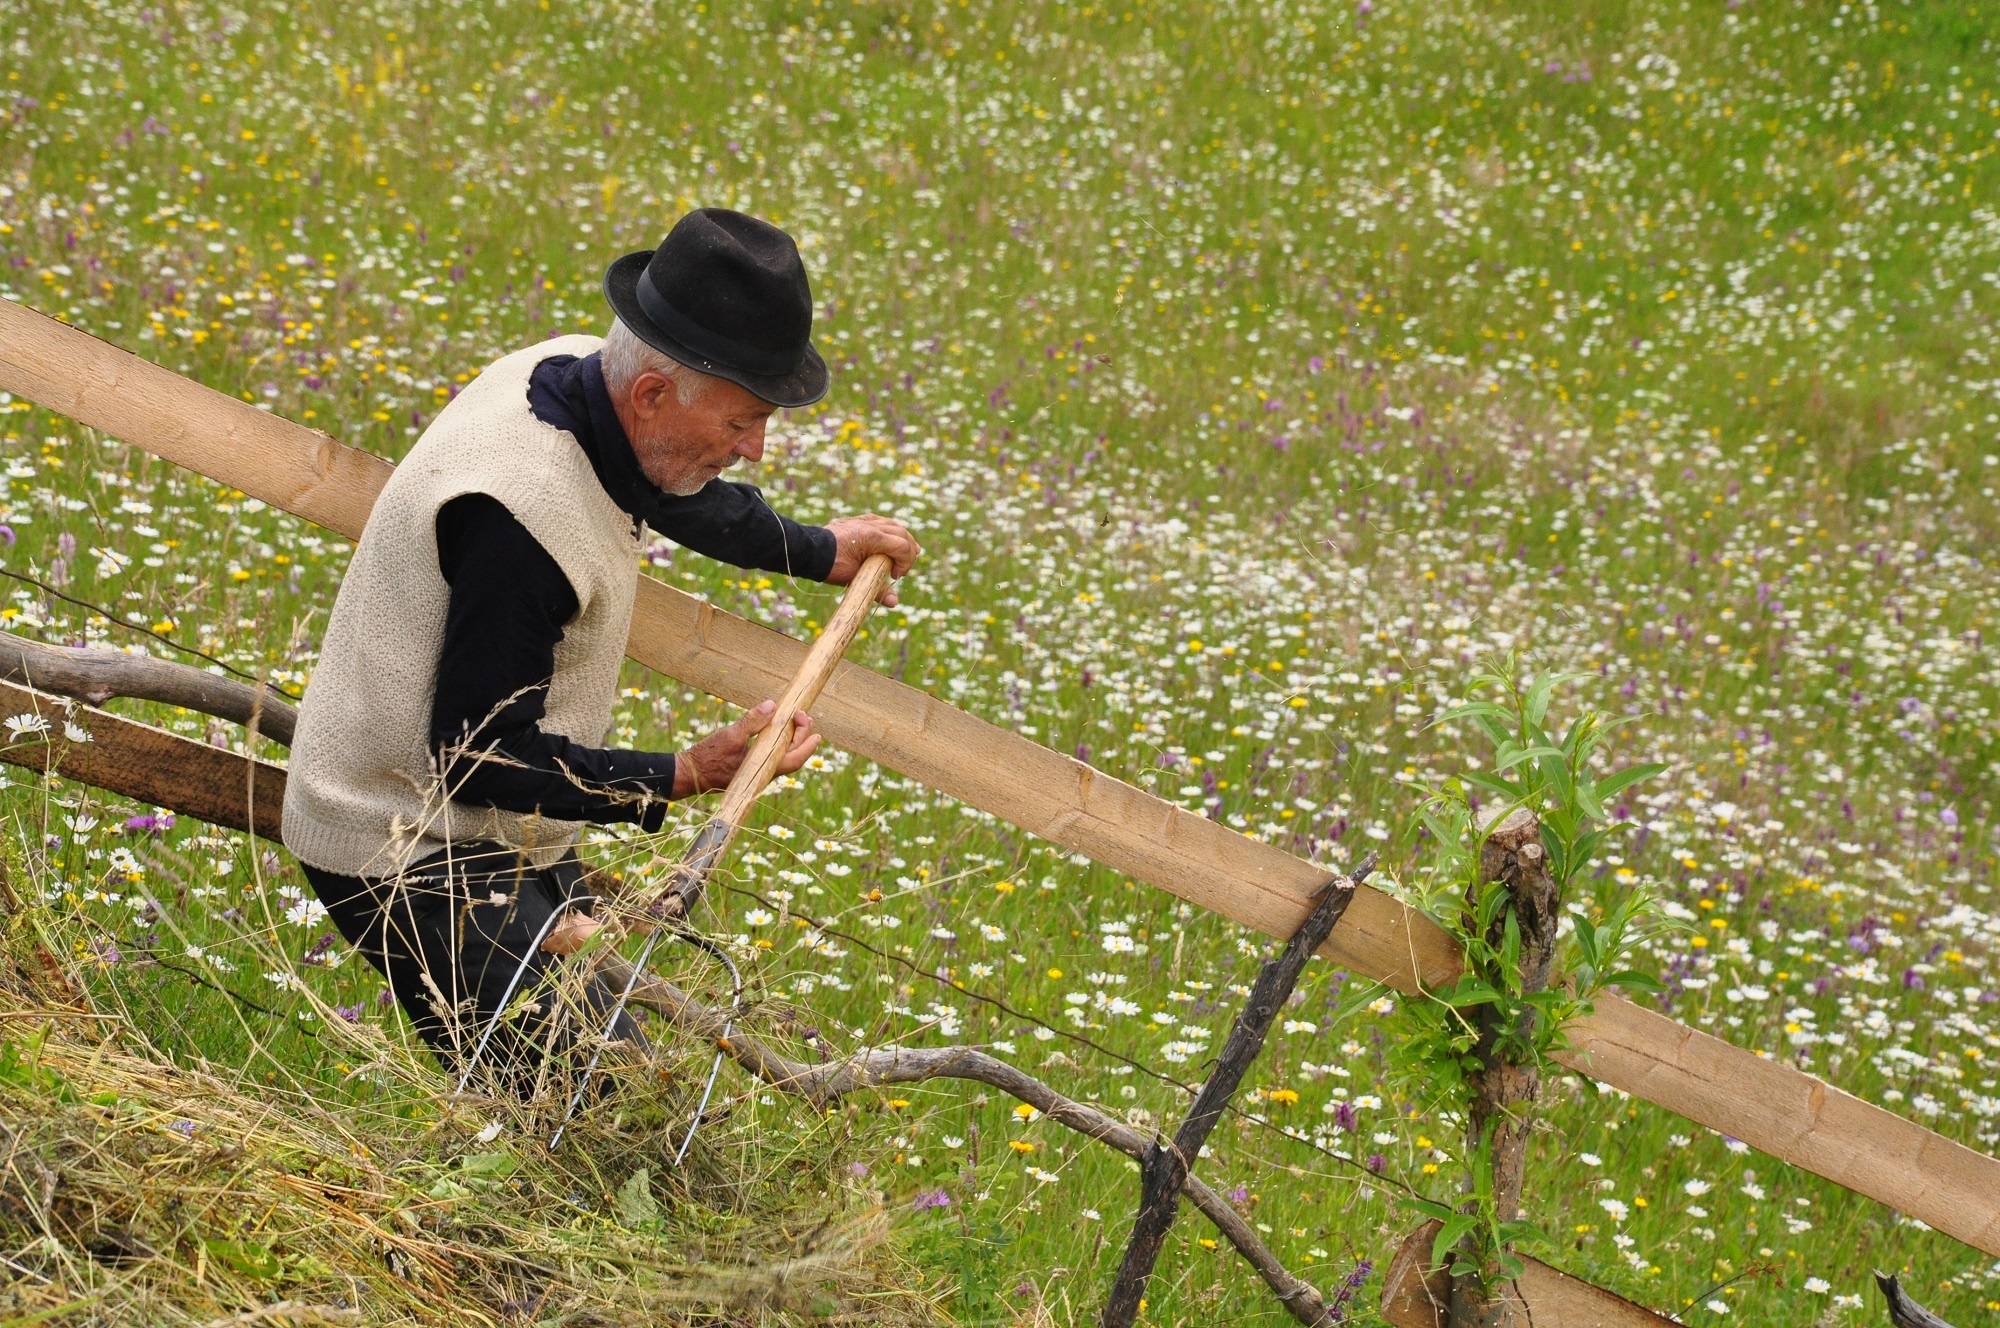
<point x="1252" y="371"/>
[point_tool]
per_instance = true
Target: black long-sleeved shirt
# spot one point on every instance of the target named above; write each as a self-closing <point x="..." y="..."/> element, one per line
<point x="510" y="603"/>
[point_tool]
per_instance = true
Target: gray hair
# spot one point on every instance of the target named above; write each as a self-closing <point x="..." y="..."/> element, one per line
<point x="624" y="357"/>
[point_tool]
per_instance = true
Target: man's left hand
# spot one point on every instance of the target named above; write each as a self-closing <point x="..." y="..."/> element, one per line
<point x="859" y="538"/>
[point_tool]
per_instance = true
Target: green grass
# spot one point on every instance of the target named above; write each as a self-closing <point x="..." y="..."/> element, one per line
<point x="1228" y="356"/>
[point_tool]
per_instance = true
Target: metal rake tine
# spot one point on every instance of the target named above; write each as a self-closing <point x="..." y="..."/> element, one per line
<point x="714" y="1066"/>
<point x="759" y="766"/>
<point x="597" y="1053"/>
<point x="714" y="1069"/>
<point x="493" y="1024"/>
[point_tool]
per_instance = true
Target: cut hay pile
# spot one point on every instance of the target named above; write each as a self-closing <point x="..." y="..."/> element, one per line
<point x="133" y="1190"/>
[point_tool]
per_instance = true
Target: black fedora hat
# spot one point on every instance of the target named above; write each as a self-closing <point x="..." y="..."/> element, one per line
<point x="726" y="294"/>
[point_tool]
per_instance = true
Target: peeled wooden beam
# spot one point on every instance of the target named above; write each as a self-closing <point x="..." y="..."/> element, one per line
<point x="1051" y="795"/>
<point x="1039" y="790"/>
<point x="143" y="763"/>
<point x="98" y="675"/>
<point x="1414" y="1295"/>
<point x="1042" y="791"/>
<point x="1792" y="1115"/>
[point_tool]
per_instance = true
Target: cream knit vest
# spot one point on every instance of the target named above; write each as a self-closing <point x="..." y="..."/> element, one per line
<point x="364" y="796"/>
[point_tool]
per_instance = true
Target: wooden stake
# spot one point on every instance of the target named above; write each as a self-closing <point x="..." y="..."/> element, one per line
<point x="1503" y="1092"/>
<point x="1416" y="1295"/>
<point x="1904" y="1312"/>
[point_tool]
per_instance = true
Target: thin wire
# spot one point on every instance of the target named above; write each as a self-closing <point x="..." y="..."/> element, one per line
<point x="115" y="619"/>
<point x="1122" y="1058"/>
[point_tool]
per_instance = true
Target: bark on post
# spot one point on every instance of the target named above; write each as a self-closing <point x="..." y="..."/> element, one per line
<point x="1504" y="1092"/>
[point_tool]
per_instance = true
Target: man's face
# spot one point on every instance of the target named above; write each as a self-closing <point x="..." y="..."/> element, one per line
<point x="683" y="447"/>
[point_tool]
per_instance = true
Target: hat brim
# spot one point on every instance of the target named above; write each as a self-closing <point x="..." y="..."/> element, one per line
<point x="801" y="387"/>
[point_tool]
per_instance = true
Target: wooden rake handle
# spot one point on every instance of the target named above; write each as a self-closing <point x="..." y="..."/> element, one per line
<point x="768" y="748"/>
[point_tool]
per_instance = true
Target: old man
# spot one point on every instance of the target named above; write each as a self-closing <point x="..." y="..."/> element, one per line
<point x="451" y="743"/>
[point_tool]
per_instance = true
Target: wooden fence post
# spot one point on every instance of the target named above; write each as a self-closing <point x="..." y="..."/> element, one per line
<point x="1504" y="1092"/>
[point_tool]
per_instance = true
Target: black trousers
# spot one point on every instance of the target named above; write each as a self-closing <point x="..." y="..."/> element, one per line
<point x="451" y="933"/>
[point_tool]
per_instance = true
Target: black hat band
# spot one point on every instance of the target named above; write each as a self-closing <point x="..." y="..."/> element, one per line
<point x="710" y="345"/>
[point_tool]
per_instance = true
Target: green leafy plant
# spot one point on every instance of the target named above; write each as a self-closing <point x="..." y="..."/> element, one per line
<point x="21" y="1067"/>
<point x="1493" y="1013"/>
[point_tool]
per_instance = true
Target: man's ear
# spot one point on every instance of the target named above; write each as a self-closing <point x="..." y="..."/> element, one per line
<point x="648" y="392"/>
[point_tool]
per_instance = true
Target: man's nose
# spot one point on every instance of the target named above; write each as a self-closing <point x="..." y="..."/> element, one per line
<point x="751" y="448"/>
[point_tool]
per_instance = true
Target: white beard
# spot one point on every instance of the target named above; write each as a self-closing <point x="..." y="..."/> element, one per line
<point x="683" y="483"/>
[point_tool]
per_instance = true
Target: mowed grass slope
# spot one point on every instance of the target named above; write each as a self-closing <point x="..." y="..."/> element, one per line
<point x="1251" y="372"/>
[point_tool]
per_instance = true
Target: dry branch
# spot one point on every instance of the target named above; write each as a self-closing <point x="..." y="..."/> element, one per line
<point x="1166" y="1167"/>
<point x="1789" y="1114"/>
<point x="1904" y="1312"/>
<point x="822" y="1084"/>
<point x="95" y="676"/>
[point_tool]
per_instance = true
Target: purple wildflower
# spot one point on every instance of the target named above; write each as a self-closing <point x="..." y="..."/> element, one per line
<point x="351" y="1013"/>
<point x="931" y="1199"/>
<point x="1349" y="1285"/>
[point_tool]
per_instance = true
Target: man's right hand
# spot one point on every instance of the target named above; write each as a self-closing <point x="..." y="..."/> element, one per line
<point x="713" y="762"/>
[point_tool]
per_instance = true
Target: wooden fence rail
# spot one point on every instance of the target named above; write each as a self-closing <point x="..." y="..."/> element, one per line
<point x="1780" y="1110"/>
<point x="145" y="763"/>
